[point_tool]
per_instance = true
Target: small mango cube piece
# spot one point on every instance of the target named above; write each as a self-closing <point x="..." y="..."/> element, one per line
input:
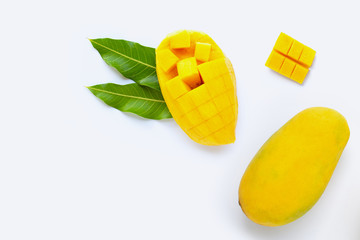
<point x="200" y="95"/>
<point x="194" y="117"/>
<point x="187" y="70"/>
<point x="215" y="123"/>
<point x="213" y="70"/>
<point x="217" y="87"/>
<point x="203" y="129"/>
<point x="177" y="87"/>
<point x="287" y="67"/>
<point x="186" y="103"/>
<point x="275" y="61"/>
<point x="283" y="43"/>
<point x="296" y="50"/>
<point x="290" y="58"/>
<point x="207" y="110"/>
<point x="202" y="51"/>
<point x="222" y="102"/>
<point x="299" y="73"/>
<point x="307" y="56"/>
<point x="168" y="59"/>
<point x="180" y="40"/>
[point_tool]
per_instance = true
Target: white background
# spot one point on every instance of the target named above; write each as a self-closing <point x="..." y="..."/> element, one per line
<point x="73" y="168"/>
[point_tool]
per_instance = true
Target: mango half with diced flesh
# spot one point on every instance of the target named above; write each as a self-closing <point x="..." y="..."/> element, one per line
<point x="198" y="85"/>
<point x="291" y="170"/>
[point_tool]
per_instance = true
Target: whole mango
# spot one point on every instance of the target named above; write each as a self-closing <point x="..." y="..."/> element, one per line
<point x="290" y="172"/>
<point x="198" y="85"/>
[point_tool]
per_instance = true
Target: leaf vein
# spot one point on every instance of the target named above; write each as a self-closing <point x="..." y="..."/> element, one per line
<point x="125" y="95"/>
<point x="125" y="56"/>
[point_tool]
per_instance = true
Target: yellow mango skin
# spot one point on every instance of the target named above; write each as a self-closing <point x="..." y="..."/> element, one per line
<point x="210" y="116"/>
<point x="291" y="170"/>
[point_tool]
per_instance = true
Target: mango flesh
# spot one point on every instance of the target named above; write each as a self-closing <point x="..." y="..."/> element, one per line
<point x="290" y="172"/>
<point x="291" y="58"/>
<point x="198" y="85"/>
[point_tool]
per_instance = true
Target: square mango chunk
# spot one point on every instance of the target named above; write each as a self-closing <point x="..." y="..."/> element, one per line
<point x="194" y="117"/>
<point x="291" y="58"/>
<point x="307" y="56"/>
<point x="215" y="123"/>
<point x="167" y="60"/>
<point x="186" y="121"/>
<point x="207" y="110"/>
<point x="216" y="87"/>
<point x="283" y="43"/>
<point x="275" y="61"/>
<point x="199" y="95"/>
<point x="202" y="51"/>
<point x="287" y="67"/>
<point x="177" y="87"/>
<point x="227" y="115"/>
<point x="185" y="103"/>
<point x="296" y="50"/>
<point x="188" y="71"/>
<point x="299" y="73"/>
<point x="222" y="101"/>
<point x="203" y="129"/>
<point x="214" y="69"/>
<point x="226" y="133"/>
<point x="180" y="40"/>
<point x="176" y="110"/>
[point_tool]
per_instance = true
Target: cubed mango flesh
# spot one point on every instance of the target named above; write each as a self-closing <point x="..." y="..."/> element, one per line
<point x="202" y="51"/>
<point x="291" y="58"/>
<point x="178" y="87"/>
<point x="200" y="91"/>
<point x="283" y="43"/>
<point x="296" y="50"/>
<point x="180" y="40"/>
<point x="187" y="70"/>
<point x="287" y="67"/>
<point x="275" y="61"/>
<point x="307" y="56"/>
<point x="299" y="73"/>
<point x="168" y="59"/>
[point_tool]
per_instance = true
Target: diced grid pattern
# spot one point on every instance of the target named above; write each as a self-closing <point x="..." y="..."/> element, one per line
<point x="168" y="59"/>
<point x="203" y="104"/>
<point x="287" y="67"/>
<point x="187" y="70"/>
<point x="291" y="58"/>
<point x="206" y="111"/>
<point x="202" y="51"/>
<point x="180" y="40"/>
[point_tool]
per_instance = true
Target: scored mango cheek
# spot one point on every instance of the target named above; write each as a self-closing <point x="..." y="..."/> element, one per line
<point x="198" y="85"/>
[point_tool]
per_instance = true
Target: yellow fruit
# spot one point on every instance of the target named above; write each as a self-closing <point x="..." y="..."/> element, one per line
<point x="290" y="58"/>
<point x="198" y="85"/>
<point x="292" y="169"/>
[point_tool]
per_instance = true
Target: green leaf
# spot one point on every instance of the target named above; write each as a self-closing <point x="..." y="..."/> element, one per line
<point x="131" y="59"/>
<point x="143" y="101"/>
